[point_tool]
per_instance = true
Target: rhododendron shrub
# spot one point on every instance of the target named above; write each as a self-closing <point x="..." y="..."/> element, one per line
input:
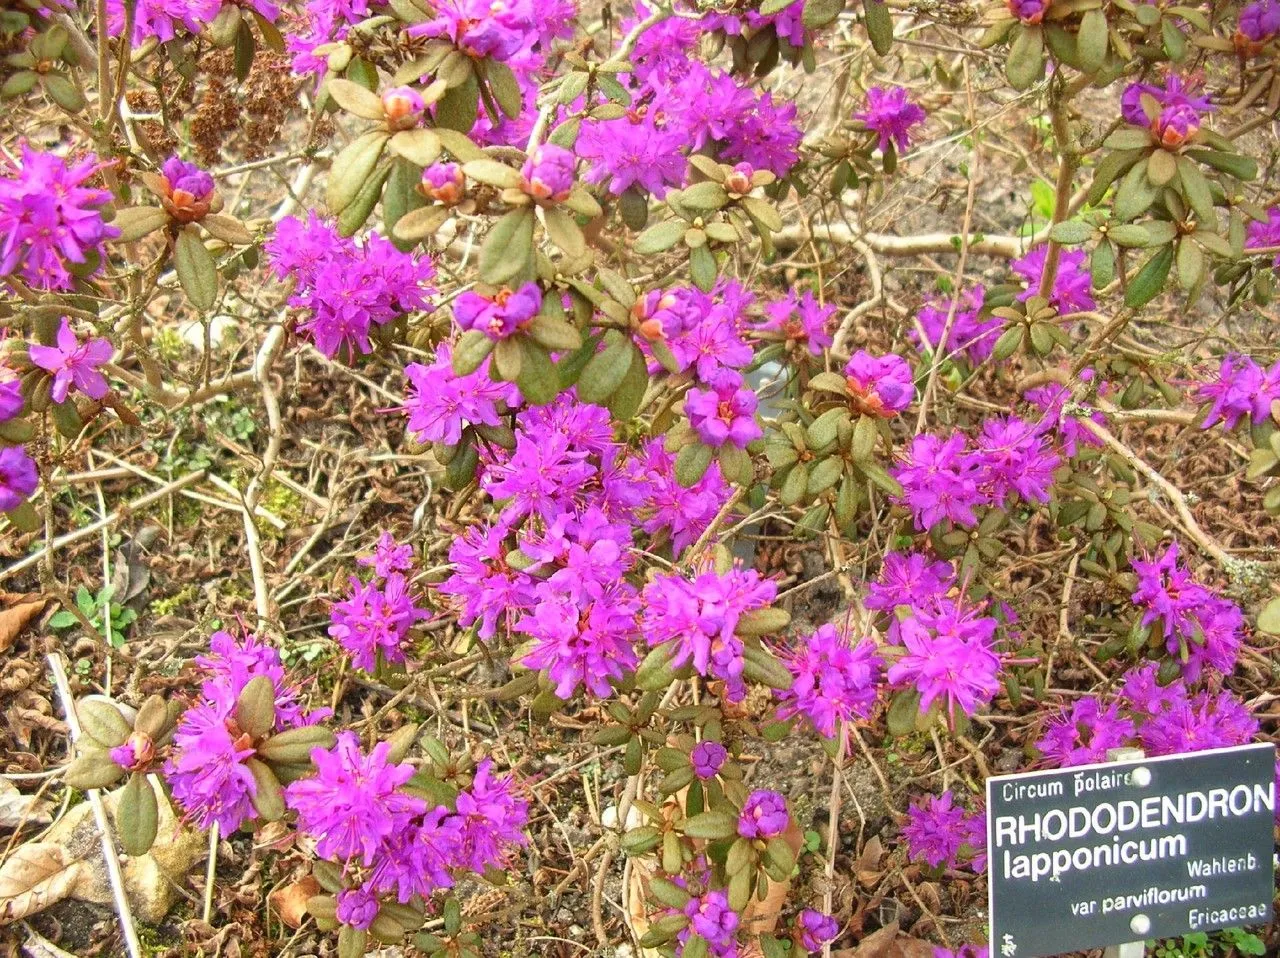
<point x="635" y="334"/>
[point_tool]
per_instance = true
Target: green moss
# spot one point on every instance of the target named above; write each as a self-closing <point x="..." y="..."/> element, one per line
<point x="172" y="603"/>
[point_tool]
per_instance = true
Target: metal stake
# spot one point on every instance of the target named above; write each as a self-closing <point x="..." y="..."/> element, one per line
<point x="1140" y="924"/>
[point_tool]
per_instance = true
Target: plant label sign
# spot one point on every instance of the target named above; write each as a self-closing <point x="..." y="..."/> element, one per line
<point x="1106" y="854"/>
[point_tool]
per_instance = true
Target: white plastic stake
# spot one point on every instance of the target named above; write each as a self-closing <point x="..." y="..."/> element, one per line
<point x="1140" y="924"/>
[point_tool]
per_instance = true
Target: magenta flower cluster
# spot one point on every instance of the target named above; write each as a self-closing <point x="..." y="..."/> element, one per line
<point x="891" y="116"/>
<point x="705" y="332"/>
<point x="50" y="221"/>
<point x="1162" y="720"/>
<point x="1243" y="388"/>
<point x="947" y="480"/>
<point x="1071" y="282"/>
<point x="764" y="815"/>
<point x="501" y="315"/>
<point x="801" y="319"/>
<point x="346" y="288"/>
<point x="971" y="335"/>
<point x="1172" y="111"/>
<point x="834" y="681"/>
<point x="701" y="615"/>
<point x="1199" y="628"/>
<point x="1260" y="21"/>
<point x="943" y="834"/>
<point x="208" y="771"/>
<point x="440" y="403"/>
<point x="372" y="623"/>
<point x="73" y="364"/>
<point x="724" y="413"/>
<point x="880" y="385"/>
<point x="948" y="643"/>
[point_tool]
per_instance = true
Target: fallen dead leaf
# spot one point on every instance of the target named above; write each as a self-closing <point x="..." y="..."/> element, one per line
<point x="35" y="876"/>
<point x="17" y="809"/>
<point x="290" y="901"/>
<point x="38" y="946"/>
<point x="15" y="618"/>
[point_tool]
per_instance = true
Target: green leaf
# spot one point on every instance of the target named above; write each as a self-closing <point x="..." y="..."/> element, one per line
<point x="704" y="196"/>
<point x="1146" y="285"/>
<point x="352" y="167"/>
<point x="762" y="211"/>
<point x="1269" y="618"/>
<point x="508" y="248"/>
<point x="358" y="210"/>
<point x="138" y="815"/>
<point x="702" y="266"/>
<point x="419" y="146"/>
<point x="1191" y="264"/>
<point x="1134" y="194"/>
<point x="564" y="232"/>
<point x="692" y="463"/>
<point x="660" y="236"/>
<point x="502" y="82"/>
<point x="196" y="270"/>
<point x="819" y="13"/>
<point x="712" y="826"/>
<point x="1234" y="164"/>
<point x="460" y="105"/>
<point x="605" y="370"/>
<point x="1161" y="167"/>
<point x="63" y="92"/>
<point x="62" y="619"/>
<point x="538" y="380"/>
<point x="1111" y="167"/>
<point x="879" y="25"/>
<point x="1092" y="40"/>
<point x="1071" y="232"/>
<point x="354" y="98"/>
<point x="903" y="711"/>
<point x="1026" y="58"/>
<point x="626" y="399"/>
<point x="135" y="222"/>
<point x="1131" y="235"/>
<point x="1102" y="265"/>
<point x="1195" y="188"/>
<point x="493" y="173"/>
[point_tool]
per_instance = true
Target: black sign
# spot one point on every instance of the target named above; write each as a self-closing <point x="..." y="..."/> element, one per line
<point x="1106" y="854"/>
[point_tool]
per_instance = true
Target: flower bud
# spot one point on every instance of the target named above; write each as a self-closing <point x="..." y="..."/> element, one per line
<point x="1029" y="11"/>
<point x="403" y="107"/>
<point x="548" y="172"/>
<point x="444" y="183"/>
<point x="739" y="181"/>
<point x="186" y="190"/>
<point x="137" y="752"/>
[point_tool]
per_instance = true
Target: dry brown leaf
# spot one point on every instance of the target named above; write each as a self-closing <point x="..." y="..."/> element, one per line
<point x="17" y="809"/>
<point x="35" y="876"/>
<point x="290" y="901"/>
<point x="878" y="944"/>
<point x="15" y="618"/>
<point x="38" y="946"/>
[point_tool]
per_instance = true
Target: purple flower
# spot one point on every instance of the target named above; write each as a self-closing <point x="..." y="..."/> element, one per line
<point x="1052" y="400"/>
<point x="487" y="589"/>
<point x="881" y="385"/>
<point x="18" y="477"/>
<point x="345" y="287"/>
<point x="1241" y="389"/>
<point x="587" y="642"/>
<point x="548" y="172"/>
<point x="1260" y="21"/>
<point x="947" y="666"/>
<point x="1014" y="456"/>
<point x="1199" y="628"/>
<point x="939" y="833"/>
<point x="492" y="818"/>
<point x="909" y="579"/>
<point x="444" y="183"/>
<point x="1188" y="723"/>
<point x="817" y="929"/>
<point x="73" y="364"/>
<point x="970" y="333"/>
<point x="482" y="29"/>
<point x="632" y="154"/>
<point x="357" y="907"/>
<point x="1261" y="235"/>
<point x="162" y="18"/>
<point x="701" y="616"/>
<point x="1084" y="733"/>
<point x="234" y="662"/>
<point x="1172" y="112"/>
<point x="136" y="753"/>
<point x="1029" y="11"/>
<point x="374" y="621"/>
<point x="706" y="758"/>
<point x="11" y="401"/>
<point x="189" y="189"/>
<point x="440" y="403"/>
<point x="501" y="316"/>
<point x="388" y="556"/>
<point x="711" y="918"/>
<point x="891" y="115"/>
<point x="48" y="219"/>
<point x="672" y="509"/>
<point x="420" y="858"/>
<point x="764" y="815"/>
<point x="1071" y="282"/>
<point x="940" y="481"/>
<point x="803" y="320"/>
<point x="725" y="413"/>
<point x="352" y="806"/>
<point x="833" y="681"/>
<point x="403" y="107"/>
<point x="207" y="773"/>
